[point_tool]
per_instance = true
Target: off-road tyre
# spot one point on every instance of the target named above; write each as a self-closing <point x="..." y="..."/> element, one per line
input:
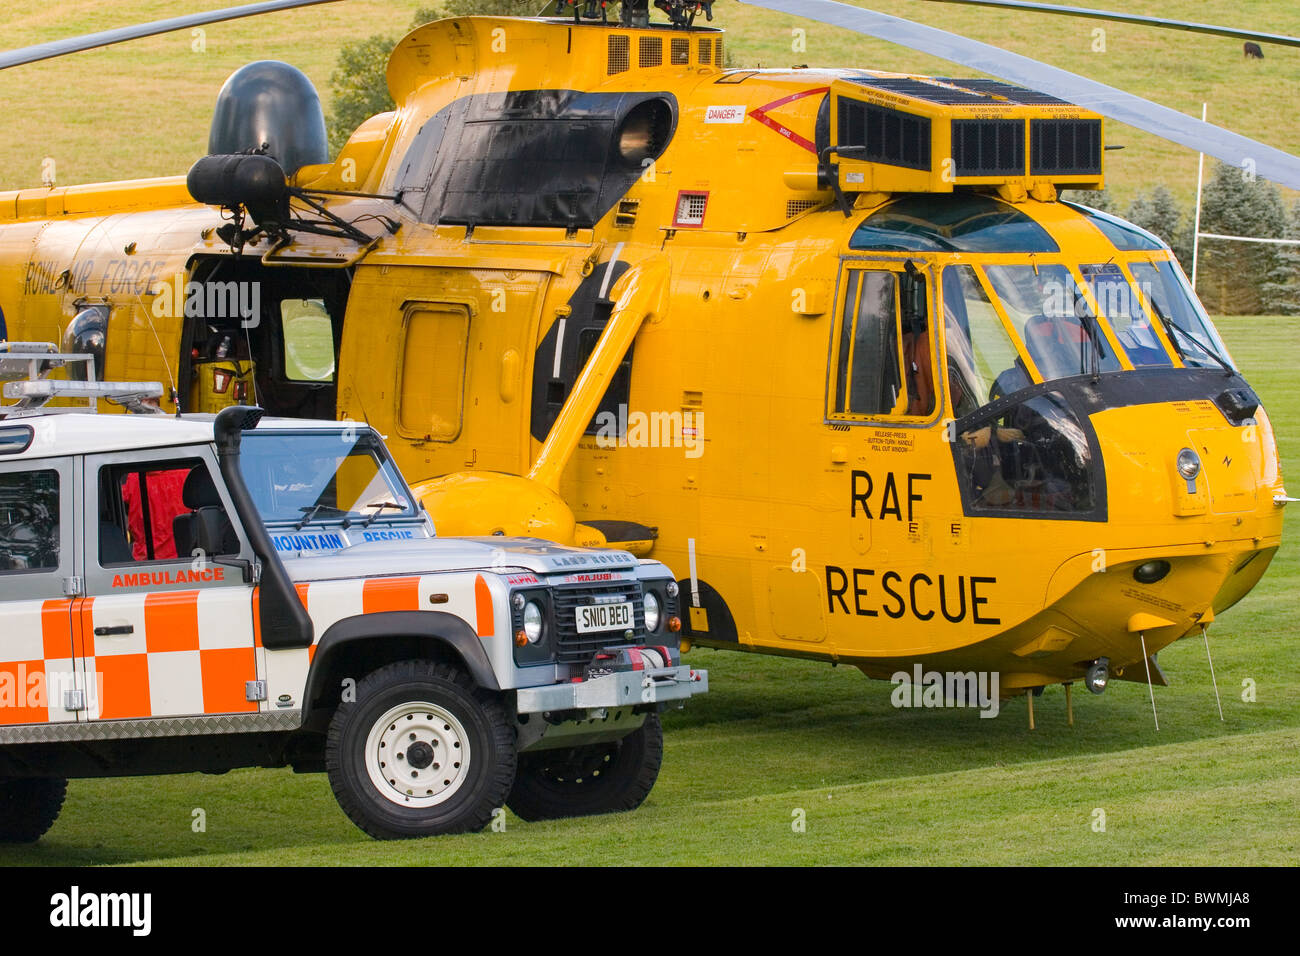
<point x="461" y="760"/>
<point x="598" y="778"/>
<point x="29" y="806"/>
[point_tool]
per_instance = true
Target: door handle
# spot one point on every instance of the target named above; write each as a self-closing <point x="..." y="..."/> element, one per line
<point x="116" y="629"/>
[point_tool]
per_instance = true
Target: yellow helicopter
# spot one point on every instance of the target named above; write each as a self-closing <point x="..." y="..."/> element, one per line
<point x="827" y="342"/>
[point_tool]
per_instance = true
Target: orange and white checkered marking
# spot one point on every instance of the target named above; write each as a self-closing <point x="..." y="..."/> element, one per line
<point x="36" y="661"/>
<point x="187" y="652"/>
<point x="183" y="653"/>
<point x="328" y="602"/>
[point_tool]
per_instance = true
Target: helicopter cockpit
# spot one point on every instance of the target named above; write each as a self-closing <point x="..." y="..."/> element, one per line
<point x="1035" y="339"/>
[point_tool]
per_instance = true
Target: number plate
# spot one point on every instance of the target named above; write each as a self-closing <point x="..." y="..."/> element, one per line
<point x="604" y="617"/>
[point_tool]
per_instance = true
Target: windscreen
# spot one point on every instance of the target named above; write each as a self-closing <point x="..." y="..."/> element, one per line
<point x="1189" y="329"/>
<point x="1121" y="307"/>
<point x="323" y="476"/>
<point x="1054" y="319"/>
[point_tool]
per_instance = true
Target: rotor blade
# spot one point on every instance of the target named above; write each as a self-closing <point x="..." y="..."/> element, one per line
<point x="1132" y="18"/>
<point x="1169" y="124"/>
<point x="47" y="51"/>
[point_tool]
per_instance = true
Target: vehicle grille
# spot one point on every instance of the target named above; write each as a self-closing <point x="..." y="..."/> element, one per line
<point x="575" y="648"/>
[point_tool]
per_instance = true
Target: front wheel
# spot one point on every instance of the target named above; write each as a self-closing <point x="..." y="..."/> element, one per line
<point x="582" y="781"/>
<point x="29" y="806"/>
<point x="421" y="752"/>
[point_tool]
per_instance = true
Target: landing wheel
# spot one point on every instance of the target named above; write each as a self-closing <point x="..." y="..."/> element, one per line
<point x="421" y="752"/>
<point x="29" y="806"/>
<point x="581" y="781"/>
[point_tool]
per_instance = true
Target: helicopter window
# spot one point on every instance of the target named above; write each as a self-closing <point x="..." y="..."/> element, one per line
<point x="1122" y="308"/>
<point x="308" y="340"/>
<point x="868" y="381"/>
<point x="1054" y="319"/>
<point x="961" y="222"/>
<point x="1122" y="235"/>
<point x="983" y="364"/>
<point x="29" y="521"/>
<point x="431" y="391"/>
<point x="1188" y="328"/>
<point x="883" y="364"/>
<point x="1032" y="458"/>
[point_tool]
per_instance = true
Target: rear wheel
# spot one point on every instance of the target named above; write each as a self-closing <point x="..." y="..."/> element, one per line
<point x="421" y="752"/>
<point x="29" y="806"/>
<point x="582" y="781"/>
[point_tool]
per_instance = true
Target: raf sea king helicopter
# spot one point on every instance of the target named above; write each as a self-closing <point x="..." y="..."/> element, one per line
<point x="828" y="342"/>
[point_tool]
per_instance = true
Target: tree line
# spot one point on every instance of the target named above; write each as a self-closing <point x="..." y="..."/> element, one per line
<point x="1233" y="278"/>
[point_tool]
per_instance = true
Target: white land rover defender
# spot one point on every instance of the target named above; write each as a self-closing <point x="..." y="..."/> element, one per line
<point x="204" y="593"/>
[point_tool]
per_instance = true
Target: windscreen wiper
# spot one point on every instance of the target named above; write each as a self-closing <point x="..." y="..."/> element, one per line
<point x="311" y="511"/>
<point x="1173" y="330"/>
<point x="379" y="509"/>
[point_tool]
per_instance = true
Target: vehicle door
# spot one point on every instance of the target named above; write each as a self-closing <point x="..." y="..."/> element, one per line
<point x="168" y="627"/>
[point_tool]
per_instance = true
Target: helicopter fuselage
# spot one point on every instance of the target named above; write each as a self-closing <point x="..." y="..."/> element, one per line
<point x="903" y="403"/>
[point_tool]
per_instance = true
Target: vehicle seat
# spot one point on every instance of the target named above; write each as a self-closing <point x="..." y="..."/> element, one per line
<point x="199" y="494"/>
<point x="114" y="548"/>
<point x="916" y="355"/>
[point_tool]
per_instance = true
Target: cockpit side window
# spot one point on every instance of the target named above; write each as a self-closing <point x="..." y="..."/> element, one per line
<point x="868" y="381"/>
<point x="883" y="362"/>
<point x="983" y="364"/>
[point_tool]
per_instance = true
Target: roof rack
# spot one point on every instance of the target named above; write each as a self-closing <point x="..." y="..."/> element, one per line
<point x="24" y="370"/>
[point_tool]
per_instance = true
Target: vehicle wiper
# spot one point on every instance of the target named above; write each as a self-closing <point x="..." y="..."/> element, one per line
<point x="379" y="509"/>
<point x="1089" y="323"/>
<point x="1173" y="330"/>
<point x="311" y="511"/>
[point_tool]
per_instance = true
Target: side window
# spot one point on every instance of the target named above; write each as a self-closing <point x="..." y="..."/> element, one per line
<point x="883" y="363"/>
<point x="29" y="521"/>
<point x="983" y="364"/>
<point x="308" y="340"/>
<point x="152" y="511"/>
<point x="431" y="390"/>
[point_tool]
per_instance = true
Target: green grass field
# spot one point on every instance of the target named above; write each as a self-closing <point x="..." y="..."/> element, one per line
<point x="874" y="784"/>
<point x="143" y="108"/>
<point x="774" y="737"/>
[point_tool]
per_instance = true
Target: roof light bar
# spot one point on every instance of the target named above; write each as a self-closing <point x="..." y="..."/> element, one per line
<point x="46" y="390"/>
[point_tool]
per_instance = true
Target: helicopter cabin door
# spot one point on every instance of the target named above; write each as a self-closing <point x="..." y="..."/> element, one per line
<point x="880" y="393"/>
<point x="435" y="358"/>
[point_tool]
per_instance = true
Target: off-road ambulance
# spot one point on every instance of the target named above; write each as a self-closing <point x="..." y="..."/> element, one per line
<point x="203" y="593"/>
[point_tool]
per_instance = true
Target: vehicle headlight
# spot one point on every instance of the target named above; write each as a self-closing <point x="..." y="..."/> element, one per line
<point x="1189" y="464"/>
<point x="533" y="622"/>
<point x="651" y="611"/>
<point x="672" y="589"/>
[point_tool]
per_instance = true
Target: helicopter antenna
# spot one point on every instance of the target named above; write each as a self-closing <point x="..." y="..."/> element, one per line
<point x="171" y="377"/>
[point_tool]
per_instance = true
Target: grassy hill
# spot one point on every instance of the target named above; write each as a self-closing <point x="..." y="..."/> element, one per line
<point x="142" y="109"/>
